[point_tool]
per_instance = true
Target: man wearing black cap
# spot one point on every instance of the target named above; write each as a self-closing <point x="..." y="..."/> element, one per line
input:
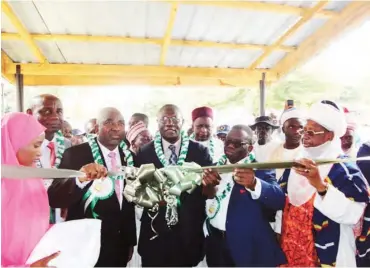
<point x="202" y="118"/>
<point x="263" y="128"/>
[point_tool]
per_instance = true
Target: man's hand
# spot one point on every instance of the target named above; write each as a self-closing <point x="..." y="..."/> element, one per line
<point x="93" y="171"/>
<point x="311" y="172"/>
<point x="211" y="177"/>
<point x="45" y="261"/>
<point x="130" y="253"/>
<point x="245" y="177"/>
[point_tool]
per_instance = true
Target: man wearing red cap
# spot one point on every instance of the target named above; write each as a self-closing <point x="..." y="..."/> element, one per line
<point x="203" y="132"/>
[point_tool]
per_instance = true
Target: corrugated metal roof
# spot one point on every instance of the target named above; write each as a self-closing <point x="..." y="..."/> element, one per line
<point x="150" y="19"/>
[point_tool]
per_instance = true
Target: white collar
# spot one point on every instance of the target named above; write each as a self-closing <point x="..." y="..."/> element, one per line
<point x="106" y="151"/>
<point x="46" y="142"/>
<point x="239" y="162"/>
<point x="165" y="144"/>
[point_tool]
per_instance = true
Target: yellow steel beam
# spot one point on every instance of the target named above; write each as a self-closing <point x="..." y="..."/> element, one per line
<point x="168" y="34"/>
<point x="306" y="17"/>
<point x="138" y="40"/>
<point x="39" y="80"/>
<point x="6" y="62"/>
<point x="351" y="16"/>
<point x="25" y="36"/>
<point x="257" y="6"/>
<point x="138" y="71"/>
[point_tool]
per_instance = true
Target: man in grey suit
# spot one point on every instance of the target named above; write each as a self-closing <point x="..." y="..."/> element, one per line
<point x="48" y="110"/>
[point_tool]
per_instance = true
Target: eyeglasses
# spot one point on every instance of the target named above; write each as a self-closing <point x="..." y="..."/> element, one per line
<point x="236" y="144"/>
<point x="166" y="120"/>
<point x="311" y="133"/>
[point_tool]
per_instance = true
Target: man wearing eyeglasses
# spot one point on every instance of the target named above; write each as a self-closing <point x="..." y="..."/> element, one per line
<point x="324" y="203"/>
<point x="181" y="244"/>
<point x="240" y="208"/>
<point x="203" y="132"/>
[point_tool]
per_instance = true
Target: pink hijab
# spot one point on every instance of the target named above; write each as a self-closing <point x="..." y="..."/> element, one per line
<point x="24" y="203"/>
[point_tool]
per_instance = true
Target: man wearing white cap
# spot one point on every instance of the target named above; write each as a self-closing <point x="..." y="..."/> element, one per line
<point x="292" y="126"/>
<point x="324" y="203"/>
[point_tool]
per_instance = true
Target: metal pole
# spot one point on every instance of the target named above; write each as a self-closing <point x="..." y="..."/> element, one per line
<point x="262" y="95"/>
<point x="19" y="89"/>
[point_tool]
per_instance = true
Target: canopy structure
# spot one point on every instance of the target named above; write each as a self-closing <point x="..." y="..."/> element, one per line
<point x="157" y="42"/>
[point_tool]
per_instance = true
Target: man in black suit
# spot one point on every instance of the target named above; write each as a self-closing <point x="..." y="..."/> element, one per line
<point x="181" y="244"/>
<point x="118" y="233"/>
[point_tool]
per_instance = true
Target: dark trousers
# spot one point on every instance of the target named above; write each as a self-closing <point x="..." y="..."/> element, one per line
<point x="217" y="250"/>
<point x="113" y="255"/>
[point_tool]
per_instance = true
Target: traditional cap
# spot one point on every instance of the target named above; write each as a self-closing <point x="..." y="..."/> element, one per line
<point x="223" y="129"/>
<point x="263" y="119"/>
<point x="289" y="114"/>
<point x="202" y="112"/>
<point x="329" y="115"/>
<point x="135" y="130"/>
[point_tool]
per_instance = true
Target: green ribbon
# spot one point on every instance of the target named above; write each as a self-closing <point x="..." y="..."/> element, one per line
<point x="152" y="186"/>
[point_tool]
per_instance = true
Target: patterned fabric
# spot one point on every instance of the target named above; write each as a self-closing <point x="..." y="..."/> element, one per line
<point x="297" y="237"/>
<point x="173" y="157"/>
<point x="347" y="178"/>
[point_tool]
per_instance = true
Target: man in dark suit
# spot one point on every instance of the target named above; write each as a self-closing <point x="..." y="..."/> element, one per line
<point x="240" y="208"/>
<point x="181" y="244"/>
<point x="118" y="233"/>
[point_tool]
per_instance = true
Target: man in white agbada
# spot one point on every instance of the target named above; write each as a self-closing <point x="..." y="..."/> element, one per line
<point x="292" y="126"/>
<point x="203" y="132"/>
<point x="324" y="203"/>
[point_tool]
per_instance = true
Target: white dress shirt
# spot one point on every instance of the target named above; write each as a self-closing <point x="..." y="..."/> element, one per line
<point x="45" y="153"/>
<point x="45" y="163"/>
<point x="167" y="152"/>
<point x="108" y="161"/>
<point x="219" y="221"/>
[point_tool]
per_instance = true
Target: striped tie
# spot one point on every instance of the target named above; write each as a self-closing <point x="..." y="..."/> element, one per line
<point x="173" y="157"/>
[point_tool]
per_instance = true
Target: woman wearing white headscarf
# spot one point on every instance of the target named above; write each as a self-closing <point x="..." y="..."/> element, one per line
<point x="324" y="203"/>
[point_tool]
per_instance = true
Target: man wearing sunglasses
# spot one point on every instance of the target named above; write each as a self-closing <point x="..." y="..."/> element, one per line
<point x="181" y="244"/>
<point x="324" y="203"/>
<point x="239" y="208"/>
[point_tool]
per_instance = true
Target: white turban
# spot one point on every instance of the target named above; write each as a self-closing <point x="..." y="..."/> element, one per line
<point x="329" y="117"/>
<point x="289" y="114"/>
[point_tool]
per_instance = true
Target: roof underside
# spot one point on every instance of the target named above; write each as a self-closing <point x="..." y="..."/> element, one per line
<point x="161" y="42"/>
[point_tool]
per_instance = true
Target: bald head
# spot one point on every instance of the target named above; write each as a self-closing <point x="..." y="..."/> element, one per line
<point x="38" y="100"/>
<point x="170" y="122"/>
<point x="169" y="108"/>
<point x="67" y="130"/>
<point x="111" y="127"/>
<point x="48" y="110"/>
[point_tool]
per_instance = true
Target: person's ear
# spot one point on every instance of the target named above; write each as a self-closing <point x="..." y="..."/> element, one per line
<point x="250" y="149"/>
<point x="330" y="136"/>
<point x="29" y="111"/>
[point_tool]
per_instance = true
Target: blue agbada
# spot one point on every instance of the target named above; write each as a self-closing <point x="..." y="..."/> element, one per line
<point x="348" y="179"/>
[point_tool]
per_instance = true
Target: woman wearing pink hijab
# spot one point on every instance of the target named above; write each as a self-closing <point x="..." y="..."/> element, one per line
<point x="24" y="203"/>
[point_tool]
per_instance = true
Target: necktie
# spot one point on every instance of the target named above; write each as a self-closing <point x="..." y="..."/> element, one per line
<point x="173" y="157"/>
<point x="51" y="147"/>
<point x="117" y="187"/>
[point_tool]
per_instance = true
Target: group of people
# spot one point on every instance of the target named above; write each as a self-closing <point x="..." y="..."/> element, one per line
<point x="307" y="215"/>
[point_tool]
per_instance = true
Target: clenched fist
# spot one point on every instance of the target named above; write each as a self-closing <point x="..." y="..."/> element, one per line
<point x="93" y="171"/>
<point x="245" y="177"/>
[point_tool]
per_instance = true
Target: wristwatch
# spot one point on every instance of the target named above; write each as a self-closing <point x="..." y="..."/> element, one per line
<point x="323" y="192"/>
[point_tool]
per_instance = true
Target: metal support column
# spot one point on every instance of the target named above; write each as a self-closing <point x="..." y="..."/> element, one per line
<point x="262" y="94"/>
<point x="19" y="89"/>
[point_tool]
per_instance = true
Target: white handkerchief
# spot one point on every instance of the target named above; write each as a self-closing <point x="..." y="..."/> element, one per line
<point x="78" y="242"/>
